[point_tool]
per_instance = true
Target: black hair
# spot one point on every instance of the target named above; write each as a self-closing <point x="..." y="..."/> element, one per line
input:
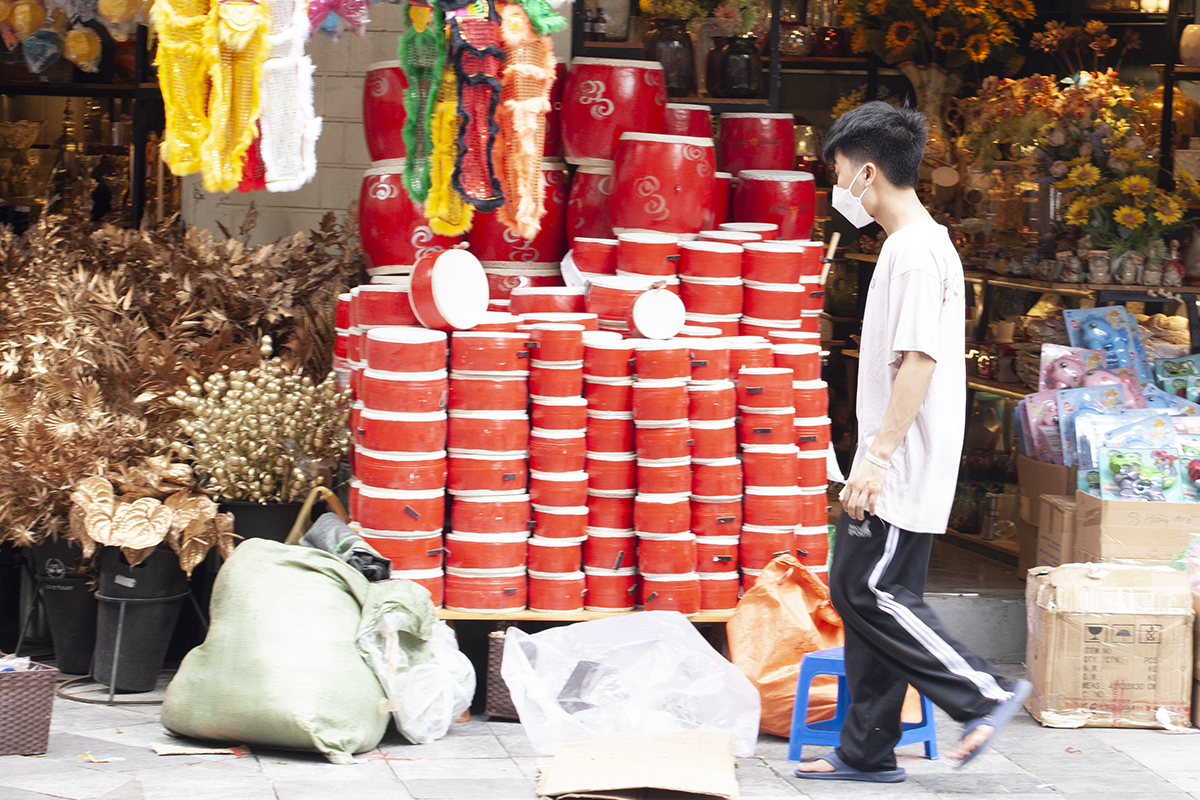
<point x="893" y="138"/>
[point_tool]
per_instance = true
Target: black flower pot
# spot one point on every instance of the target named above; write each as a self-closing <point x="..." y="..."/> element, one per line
<point x="261" y="520"/>
<point x="71" y="610"/>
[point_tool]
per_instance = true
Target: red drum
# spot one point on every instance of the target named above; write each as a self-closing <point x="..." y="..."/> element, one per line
<point x="407" y="471"/>
<point x="727" y="324"/>
<point x="812" y="299"/>
<point x="410" y="392"/>
<point x="558" y="488"/>
<point x="759" y="328"/>
<point x="401" y="349"/>
<point x="609" y="549"/>
<point x="717" y="296"/>
<point x="608" y="358"/>
<point x="660" y="400"/>
<point x="595" y="256"/>
<point x="781" y="196"/>
<point x="486" y="550"/>
<point x="662" y="183"/>
<point x="610" y="509"/>
<point x="341" y="311"/>
<point x="749" y="351"/>
<point x="486" y="590"/>
<point x="589" y="322"/>
<point x="556" y="450"/>
<point x="605" y="97"/>
<point x="497" y="431"/>
<point x="556" y="342"/>
<point x="716" y="477"/>
<point x="587" y="202"/>
<point x="765" y="230"/>
<point x="431" y="580"/>
<point x="489" y="391"/>
<point x="718" y="212"/>
<point x="610" y="590"/>
<point x="504" y="276"/>
<point x="770" y="464"/>
<point x="712" y="400"/>
<point x="671" y="592"/>
<point x="657" y="313"/>
<point x="662" y="361"/>
<point x="559" y="413"/>
<point x="764" y="387"/>
<point x="812" y="546"/>
<point x="794" y="337"/>
<point x="489" y="351"/>
<point x="612" y="471"/>
<point x="553" y="591"/>
<point x="609" y="395"/>
<point x="714" y="438"/>
<point x="661" y="513"/>
<point x="770" y="506"/>
<point x="766" y="426"/>
<point x="546" y="300"/>
<point x="811" y="468"/>
<point x="609" y="432"/>
<point x="812" y="398"/>
<point x="757" y="141"/>
<point x="810" y="321"/>
<point x="664" y="475"/>
<point x="383" y="110"/>
<point x="418" y="550"/>
<point x="400" y="511"/>
<point x="716" y="516"/>
<point x="653" y="254"/>
<point x="729" y="237"/>
<point x="409" y="433"/>
<point x="814" y="507"/>
<point x="716" y="554"/>
<point x="667" y="442"/>
<point x="560" y="522"/>
<point x="688" y="120"/>
<point x="490" y="512"/>
<point x="762" y="544"/>
<point x="719" y="591"/>
<point x="556" y="378"/>
<point x="773" y="262"/>
<point x="749" y="578"/>
<point x="609" y="298"/>
<point x="774" y="301"/>
<point x="812" y="433"/>
<point x="710" y="260"/>
<point x="356" y="350"/>
<point x="804" y="360"/>
<point x="382" y="304"/>
<point x="449" y="290"/>
<point x="555" y="555"/>
<point x="492" y="240"/>
<point x="710" y="361"/>
<point x="666" y="553"/>
<point x="485" y="471"/>
<point x="394" y="230"/>
<point x="341" y="343"/>
<point x="553" y="145"/>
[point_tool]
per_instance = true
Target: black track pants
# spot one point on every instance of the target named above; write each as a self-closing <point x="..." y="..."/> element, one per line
<point x="877" y="581"/>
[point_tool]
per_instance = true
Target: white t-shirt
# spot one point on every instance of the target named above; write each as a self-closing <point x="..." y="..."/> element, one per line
<point x="916" y="303"/>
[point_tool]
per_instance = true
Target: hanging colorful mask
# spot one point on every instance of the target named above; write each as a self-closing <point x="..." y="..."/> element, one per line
<point x="422" y="52"/>
<point x="183" y="64"/>
<point x="289" y="126"/>
<point x="448" y="214"/>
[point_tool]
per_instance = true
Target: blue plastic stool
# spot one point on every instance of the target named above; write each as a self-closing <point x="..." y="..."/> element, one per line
<point x="828" y="732"/>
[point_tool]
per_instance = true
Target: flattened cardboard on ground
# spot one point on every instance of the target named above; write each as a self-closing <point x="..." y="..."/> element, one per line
<point x="1132" y="531"/>
<point x="1036" y="479"/>
<point x="1056" y="531"/>
<point x="1109" y="644"/>
<point x="657" y="766"/>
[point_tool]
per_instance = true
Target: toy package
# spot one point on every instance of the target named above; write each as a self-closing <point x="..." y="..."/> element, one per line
<point x="1189" y="466"/>
<point x="1021" y="425"/>
<point x="1084" y="400"/>
<point x="1091" y="436"/>
<point x="1175" y="406"/>
<point x="1066" y="367"/>
<point x="1113" y="330"/>
<point x="1143" y="474"/>
<point x="1041" y="414"/>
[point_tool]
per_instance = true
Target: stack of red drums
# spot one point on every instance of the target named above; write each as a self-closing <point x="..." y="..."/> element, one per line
<point x="398" y="494"/>
<point x="782" y="287"/>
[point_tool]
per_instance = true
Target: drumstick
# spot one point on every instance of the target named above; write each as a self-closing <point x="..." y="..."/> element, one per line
<point x="828" y="259"/>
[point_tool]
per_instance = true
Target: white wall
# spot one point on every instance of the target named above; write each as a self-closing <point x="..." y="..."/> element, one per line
<point x="341" y="151"/>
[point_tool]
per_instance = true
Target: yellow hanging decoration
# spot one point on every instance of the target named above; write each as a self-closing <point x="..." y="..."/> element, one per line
<point x="26" y="17"/>
<point x="117" y="11"/>
<point x="448" y="214"/>
<point x="183" y="63"/>
<point x="5" y="10"/>
<point x="82" y="48"/>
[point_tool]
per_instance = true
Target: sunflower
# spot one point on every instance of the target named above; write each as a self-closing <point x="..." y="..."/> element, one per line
<point x="876" y="8"/>
<point x="858" y="40"/>
<point x="1129" y="217"/>
<point x="1084" y="175"/>
<point x="1136" y="185"/>
<point x="978" y="48"/>
<point x="899" y="35"/>
<point x="1077" y="214"/>
<point x="1022" y="9"/>
<point x="973" y="7"/>
<point x="934" y="8"/>
<point x="1168" y="209"/>
<point x="947" y="38"/>
<point x="1000" y="33"/>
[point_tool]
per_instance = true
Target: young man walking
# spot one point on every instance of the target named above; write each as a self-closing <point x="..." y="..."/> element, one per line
<point x="911" y="415"/>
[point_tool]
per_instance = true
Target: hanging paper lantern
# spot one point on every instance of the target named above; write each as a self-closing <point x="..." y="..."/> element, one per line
<point x="82" y="48"/>
<point x="26" y="17"/>
<point x="42" y="48"/>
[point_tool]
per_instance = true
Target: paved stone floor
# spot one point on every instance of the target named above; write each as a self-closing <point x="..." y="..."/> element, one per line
<point x="484" y="760"/>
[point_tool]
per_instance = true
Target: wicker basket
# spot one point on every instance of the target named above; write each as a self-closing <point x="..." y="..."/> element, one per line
<point x="497" y="701"/>
<point x="26" y="700"/>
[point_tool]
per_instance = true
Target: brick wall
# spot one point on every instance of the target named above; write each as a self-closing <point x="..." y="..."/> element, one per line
<point x="341" y="151"/>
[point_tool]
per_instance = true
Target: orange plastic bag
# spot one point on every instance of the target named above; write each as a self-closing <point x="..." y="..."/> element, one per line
<point x="786" y="614"/>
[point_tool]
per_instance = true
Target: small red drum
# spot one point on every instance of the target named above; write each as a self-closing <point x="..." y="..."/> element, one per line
<point x="666" y="442"/>
<point x="770" y="506"/>
<point x="768" y="231"/>
<point x="408" y="471"/>
<point x="486" y="550"/>
<point x="489" y="351"/>
<point x="715" y="438"/>
<point x="497" y="391"/>
<point x="383" y="110"/>
<point x="662" y="513"/>
<point x="492" y="240"/>
<point x="382" y="304"/>
<point x="716" y="296"/>
<point x="560" y="522"/>
<point x="609" y="549"/>
<point x="717" y="477"/>
<point x="656" y="360"/>
<point x="718" y="212"/>
<point x="757" y="141"/>
<point x="609" y="298"/>
<point x="611" y="433"/>
<point x="491" y="512"/>
<point x="719" y="590"/>
<point x="811" y="468"/>
<point x="610" y="509"/>
<point x="770" y="464"/>
<point x="663" y="400"/>
<point x="710" y="361"/>
<point x="431" y="580"/>
<point x="555" y="555"/>
<point x="760" y="544"/>
<point x="666" y="553"/>
<point x="726" y="324"/>
<point x="553" y="144"/>
<point x="662" y="183"/>
<point x="716" y="516"/>
<point x="607" y="358"/>
<point x="794" y="337"/>
<point x="671" y="592"/>
<point x="812" y="433"/>
<point x="394" y="431"/>
<point x="784" y="197"/>
<point x="689" y="120"/>
<point x="486" y="590"/>
<point x="559" y="413"/>
<point x="557" y="450"/>
<point x="546" y="300"/>
<point x="413" y="392"/>
<point x="748" y="351"/>
<point x="730" y="237"/>
<point x="712" y="400"/>
<point x="605" y="97"/>
<point x="488" y="430"/>
<point x="556" y="591"/>
<point x="401" y="511"/>
<point x="587" y="202"/>
<point x="802" y="359"/>
<point x="449" y="290"/>
<point x="765" y="387"/>
<point x="612" y="471"/>
<point x="498" y="321"/>
<point x="773" y="262"/>
<point x="476" y="471"/>
<point x="394" y="230"/>
<point x="416" y="550"/>
<point x="704" y="259"/>
<point x="811" y="398"/>
<point x="405" y="349"/>
<point x="717" y="554"/>
<point x="595" y="256"/>
<point x="665" y="475"/>
<point x="610" y="589"/>
<point x="812" y="545"/>
<point x="814" y="506"/>
<point x="558" y="488"/>
<point x="652" y="254"/>
<point x="504" y="276"/>
<point x="766" y="426"/>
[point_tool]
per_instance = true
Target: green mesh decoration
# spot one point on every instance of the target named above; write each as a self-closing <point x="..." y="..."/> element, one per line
<point x="543" y="18"/>
<point x="422" y="53"/>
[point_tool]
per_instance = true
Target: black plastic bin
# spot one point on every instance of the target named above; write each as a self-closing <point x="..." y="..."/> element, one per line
<point x="71" y="613"/>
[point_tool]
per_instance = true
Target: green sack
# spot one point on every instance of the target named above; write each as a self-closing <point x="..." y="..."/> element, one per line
<point x="281" y="666"/>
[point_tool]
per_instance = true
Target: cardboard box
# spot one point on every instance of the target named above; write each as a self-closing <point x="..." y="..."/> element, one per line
<point x="1036" y="479"/>
<point x="1130" y="531"/>
<point x="1056" y="531"/>
<point x="1109" y="644"/>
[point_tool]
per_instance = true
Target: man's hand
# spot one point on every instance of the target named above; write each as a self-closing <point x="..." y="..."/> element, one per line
<point x="863" y="488"/>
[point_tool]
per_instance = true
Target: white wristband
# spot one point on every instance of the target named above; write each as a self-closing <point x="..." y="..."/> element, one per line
<point x="879" y="462"/>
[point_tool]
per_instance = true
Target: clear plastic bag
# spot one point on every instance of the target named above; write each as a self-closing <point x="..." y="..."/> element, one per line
<point x="640" y="673"/>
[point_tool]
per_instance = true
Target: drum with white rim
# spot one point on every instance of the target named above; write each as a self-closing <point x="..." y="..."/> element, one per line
<point x="662" y="183"/>
<point x="605" y="97"/>
<point x="492" y="240"/>
<point x="757" y="141"/>
<point x="688" y="120"/>
<point x="449" y="290"/>
<point x="394" y="230"/>
<point x="785" y="197"/>
<point x="383" y="110"/>
<point x="587" y="202"/>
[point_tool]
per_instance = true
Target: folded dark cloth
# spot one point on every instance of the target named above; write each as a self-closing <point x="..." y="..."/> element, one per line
<point x="332" y="535"/>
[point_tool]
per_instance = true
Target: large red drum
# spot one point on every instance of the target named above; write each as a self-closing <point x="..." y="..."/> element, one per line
<point x="784" y="197"/>
<point x="587" y="203"/>
<point x="605" y="97"/>
<point x="756" y="141"/>
<point x="504" y="276"/>
<point x="662" y="183"/>
<point x="688" y="120"/>
<point x="719" y="211"/>
<point x="492" y="240"/>
<point x="394" y="230"/>
<point x="383" y="110"/>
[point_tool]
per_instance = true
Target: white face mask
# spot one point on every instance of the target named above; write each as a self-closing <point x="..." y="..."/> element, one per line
<point x="851" y="207"/>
